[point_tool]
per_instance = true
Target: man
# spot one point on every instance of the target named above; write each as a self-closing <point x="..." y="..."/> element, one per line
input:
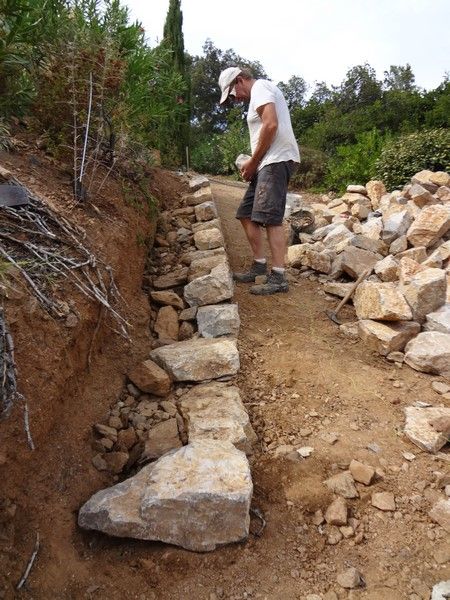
<point x="275" y="156"/>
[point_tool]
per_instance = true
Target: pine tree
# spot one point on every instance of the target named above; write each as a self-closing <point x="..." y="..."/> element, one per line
<point x="173" y="40"/>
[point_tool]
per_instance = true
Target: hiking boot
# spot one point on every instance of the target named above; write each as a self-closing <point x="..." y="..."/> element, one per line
<point x="276" y="282"/>
<point x="255" y="270"/>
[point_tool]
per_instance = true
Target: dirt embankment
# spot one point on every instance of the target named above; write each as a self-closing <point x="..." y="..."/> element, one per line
<point x="69" y="375"/>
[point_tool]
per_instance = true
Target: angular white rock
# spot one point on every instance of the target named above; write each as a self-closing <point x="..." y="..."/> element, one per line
<point x="419" y="429"/>
<point x="215" y="287"/>
<point x="215" y="411"/>
<point x="197" y="497"/>
<point x="198" y="360"/>
<point x="429" y="352"/>
<point x="208" y="239"/>
<point x="425" y="291"/>
<point x="386" y="338"/>
<point x="380" y="301"/>
<point x="439" y="320"/>
<point x="432" y="223"/>
<point x="218" y="320"/>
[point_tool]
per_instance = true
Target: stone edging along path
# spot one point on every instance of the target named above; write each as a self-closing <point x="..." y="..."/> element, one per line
<point x="196" y="495"/>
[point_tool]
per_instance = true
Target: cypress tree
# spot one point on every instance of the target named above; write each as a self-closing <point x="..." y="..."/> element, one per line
<point x="173" y="40"/>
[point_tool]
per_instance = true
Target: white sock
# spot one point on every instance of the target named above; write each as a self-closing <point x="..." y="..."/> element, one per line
<point x="261" y="261"/>
<point x="278" y="270"/>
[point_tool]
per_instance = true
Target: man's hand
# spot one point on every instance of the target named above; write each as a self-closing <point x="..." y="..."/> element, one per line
<point x="248" y="169"/>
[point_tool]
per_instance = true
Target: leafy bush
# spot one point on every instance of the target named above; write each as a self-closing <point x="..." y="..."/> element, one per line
<point x="403" y="157"/>
<point x="355" y="163"/>
<point x="312" y="169"/>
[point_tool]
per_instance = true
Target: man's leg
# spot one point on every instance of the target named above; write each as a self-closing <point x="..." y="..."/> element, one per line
<point x="254" y="237"/>
<point x="277" y="244"/>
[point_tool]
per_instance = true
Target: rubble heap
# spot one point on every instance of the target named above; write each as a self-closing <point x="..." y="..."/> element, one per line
<point x="403" y="239"/>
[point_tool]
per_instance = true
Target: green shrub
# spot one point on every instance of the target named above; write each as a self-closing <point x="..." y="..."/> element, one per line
<point x="206" y="155"/>
<point x="312" y="169"/>
<point x="355" y="163"/>
<point x="403" y="157"/>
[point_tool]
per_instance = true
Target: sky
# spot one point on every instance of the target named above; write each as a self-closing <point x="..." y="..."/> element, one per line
<point x="318" y="40"/>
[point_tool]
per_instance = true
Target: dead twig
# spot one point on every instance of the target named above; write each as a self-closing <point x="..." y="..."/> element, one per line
<point x="30" y="563"/>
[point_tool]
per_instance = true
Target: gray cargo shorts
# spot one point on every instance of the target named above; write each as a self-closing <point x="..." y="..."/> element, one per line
<point x="265" y="199"/>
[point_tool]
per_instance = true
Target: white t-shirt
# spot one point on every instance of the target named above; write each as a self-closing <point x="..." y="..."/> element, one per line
<point x="284" y="146"/>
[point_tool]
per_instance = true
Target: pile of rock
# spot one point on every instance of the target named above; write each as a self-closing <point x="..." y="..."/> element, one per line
<point x="179" y="407"/>
<point x="403" y="239"/>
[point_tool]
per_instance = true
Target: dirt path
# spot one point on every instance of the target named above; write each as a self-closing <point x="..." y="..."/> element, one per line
<point x="304" y="385"/>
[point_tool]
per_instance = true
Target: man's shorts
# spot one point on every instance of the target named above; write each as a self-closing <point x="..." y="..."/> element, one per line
<point x="265" y="199"/>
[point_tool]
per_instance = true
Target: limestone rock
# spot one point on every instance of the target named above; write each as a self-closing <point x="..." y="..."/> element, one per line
<point x="186" y="331"/>
<point x="418" y="254"/>
<point x="372" y="228"/>
<point x="350" y="579"/>
<point x="440" y="513"/>
<point x="336" y="235"/>
<point x="188" y="314"/>
<point x="375" y="191"/>
<point x="429" y="352"/>
<point x="166" y="325"/>
<point x="198" y="360"/>
<point x="295" y="254"/>
<point x="361" y="472"/>
<point x="189" y="257"/>
<point x="343" y="485"/>
<point x="423" y="178"/>
<point x="167" y="298"/>
<point x="425" y="292"/>
<point x="382" y="301"/>
<point x="210" y="289"/>
<point x="202" y="195"/>
<point x="208" y="239"/>
<point x="399" y="245"/>
<point x="171" y="280"/>
<point x="197" y="182"/>
<point x="319" y="261"/>
<point x="356" y="189"/>
<point x="367" y="243"/>
<point x="439" y="320"/>
<point x="419" y="427"/>
<point x="150" y="378"/>
<point x="203" y="266"/>
<point x="355" y="261"/>
<point x="197" y="497"/>
<point x="420" y="196"/>
<point x="206" y="211"/>
<point x="441" y="590"/>
<point x="386" y="338"/>
<point x="383" y="501"/>
<point x="215" y="411"/>
<point x="432" y="223"/>
<point x="396" y="225"/>
<point x="218" y="320"/>
<point x="440" y="178"/>
<point x="337" y="288"/>
<point x="202" y="225"/>
<point x="162" y="438"/>
<point x="336" y="513"/>
<point x="387" y="269"/>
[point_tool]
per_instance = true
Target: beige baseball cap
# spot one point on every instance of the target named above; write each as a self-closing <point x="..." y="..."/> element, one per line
<point x="226" y="78"/>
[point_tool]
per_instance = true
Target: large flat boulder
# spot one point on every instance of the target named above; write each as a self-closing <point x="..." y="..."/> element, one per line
<point x="429" y="352"/>
<point x="215" y="287"/>
<point x="356" y="260"/>
<point x="425" y="291"/>
<point x="431" y="224"/>
<point x="197" y="497"/>
<point x="386" y="338"/>
<point x="381" y="301"/>
<point x="198" y="360"/>
<point x="215" y="411"/>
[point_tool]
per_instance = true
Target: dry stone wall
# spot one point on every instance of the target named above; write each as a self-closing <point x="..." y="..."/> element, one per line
<point x="180" y="428"/>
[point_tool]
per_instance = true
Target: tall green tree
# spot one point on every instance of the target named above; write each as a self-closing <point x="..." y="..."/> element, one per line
<point x="173" y="41"/>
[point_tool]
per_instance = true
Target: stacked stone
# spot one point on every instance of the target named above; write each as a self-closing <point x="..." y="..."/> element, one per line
<point x="403" y="237"/>
<point x="180" y="407"/>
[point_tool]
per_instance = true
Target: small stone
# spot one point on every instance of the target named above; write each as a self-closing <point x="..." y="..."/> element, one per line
<point x="99" y="463"/>
<point x="440" y="513"/>
<point x="343" y="485"/>
<point x="318" y="518"/>
<point x="374" y="447"/>
<point x="350" y="579"/>
<point x="347" y="532"/>
<point x="115" y="461"/>
<point x="361" y="472"/>
<point x="409" y="456"/>
<point x="336" y="513"/>
<point x="305" y="451"/>
<point x="383" y="501"/>
<point x="334" y="536"/>
<point x="440" y="387"/>
<point x="329" y="437"/>
<point x="441" y="591"/>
